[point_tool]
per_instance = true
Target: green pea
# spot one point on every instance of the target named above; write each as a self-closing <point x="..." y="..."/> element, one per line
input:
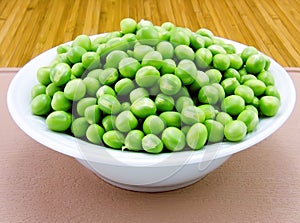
<point x="197" y="42"/>
<point x="41" y="104"/>
<point x="223" y="118"/>
<point x="179" y="36"/>
<point x="205" y="32"/>
<point x="250" y="118"/>
<point x="114" y="139"/>
<point x="83" y="103"/>
<point x="128" y="25"/>
<point x="229" y="85"/>
<point x="92" y="114"/>
<point x="154" y="90"/>
<point x="235" y="130"/>
<point x="128" y="67"/>
<point x="126" y="106"/>
<point x="243" y="71"/>
<point x="203" y="58"/>
<point x="255" y="102"/>
<point x="192" y="114"/>
<point x="82" y="40"/>
<point x="166" y="49"/>
<point x="153" y="58"/>
<point x="124" y="86"/>
<point x="221" y="62"/>
<point x="109" y="104"/>
<point x="147" y="36"/>
<point x="140" y="51"/>
<point x="92" y="85"/>
<point x="252" y="108"/>
<point x="153" y="125"/>
<point x="114" y="58"/>
<point x="59" y="121"/>
<point x="183" y="102"/>
<point x="266" y="77"/>
<point x="236" y="61"/>
<point x="220" y="89"/>
<point x="245" y="92"/>
<point x="209" y="111"/>
<point x="208" y="94"/>
<point x="79" y="127"/>
<point x="196" y="136"/>
<point x="75" y="54"/>
<point x="269" y="105"/>
<point x="171" y="118"/>
<point x="90" y="60"/>
<point x="109" y="76"/>
<point x="168" y="66"/>
<point x="147" y="76"/>
<point x="229" y="48"/>
<point x="232" y="73"/>
<point x="52" y="88"/>
<point x="217" y="49"/>
<point x="169" y="84"/>
<point x="214" y="75"/>
<point x="167" y="26"/>
<point x="143" y="107"/>
<point x="152" y="144"/>
<point x="60" y="102"/>
<point x="272" y="91"/>
<point x="247" y="77"/>
<point x="257" y="86"/>
<point x="137" y="94"/>
<point x="173" y="139"/>
<point x="186" y="71"/>
<point x="233" y="104"/>
<point x="75" y="89"/>
<point x="60" y="74"/>
<point x="247" y="52"/>
<point x="94" y="134"/>
<point x="255" y="64"/>
<point x="64" y="48"/>
<point x="126" y="121"/>
<point x="37" y="90"/>
<point x="43" y="75"/>
<point x="105" y="89"/>
<point x="109" y="122"/>
<point x="133" y="140"/>
<point x="200" y="80"/>
<point x="78" y="69"/>
<point x="215" y="131"/>
<point x="164" y="102"/>
<point x="114" y="43"/>
<point x="184" y="52"/>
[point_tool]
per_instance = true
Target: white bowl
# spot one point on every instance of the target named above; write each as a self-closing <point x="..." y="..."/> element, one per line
<point x="140" y="171"/>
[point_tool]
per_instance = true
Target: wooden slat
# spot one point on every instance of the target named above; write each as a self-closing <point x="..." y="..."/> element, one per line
<point x="29" y="27"/>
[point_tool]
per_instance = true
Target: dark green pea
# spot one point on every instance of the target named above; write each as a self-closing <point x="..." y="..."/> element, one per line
<point x="266" y="77"/>
<point x="78" y="69"/>
<point x="169" y="84"/>
<point x="192" y="114"/>
<point x="229" y="85"/>
<point x="59" y="121"/>
<point x="37" y="90"/>
<point x="153" y="58"/>
<point x="153" y="125"/>
<point x="214" y="75"/>
<point x="114" y="139"/>
<point x="79" y="127"/>
<point x="124" y="86"/>
<point x="173" y="139"/>
<point x="43" y="75"/>
<point x="105" y="89"/>
<point x="138" y="93"/>
<point x="166" y="49"/>
<point x="52" y="88"/>
<point x="60" y="102"/>
<point x="171" y="118"/>
<point x="186" y="71"/>
<point x="109" y="122"/>
<point x="126" y="121"/>
<point x="203" y="58"/>
<point x="245" y="92"/>
<point x="60" y="74"/>
<point x="168" y="66"/>
<point x="109" y="76"/>
<point x="113" y="58"/>
<point x="208" y="94"/>
<point x="92" y="85"/>
<point x="235" y="130"/>
<point x="92" y="114"/>
<point x="152" y="144"/>
<point x="75" y="89"/>
<point x="143" y="107"/>
<point x="209" y="111"/>
<point x="272" y="91"/>
<point x="147" y="76"/>
<point x="215" y="131"/>
<point x="164" y="102"/>
<point x="41" y="104"/>
<point x="133" y="140"/>
<point x="128" y="67"/>
<point x="94" y="134"/>
<point x="223" y="118"/>
<point x="233" y="104"/>
<point x="250" y="118"/>
<point x="109" y="104"/>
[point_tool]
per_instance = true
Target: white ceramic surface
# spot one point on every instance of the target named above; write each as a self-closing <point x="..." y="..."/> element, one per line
<point x="140" y="171"/>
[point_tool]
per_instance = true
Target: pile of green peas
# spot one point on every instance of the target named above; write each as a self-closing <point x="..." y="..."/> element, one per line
<point x="155" y="89"/>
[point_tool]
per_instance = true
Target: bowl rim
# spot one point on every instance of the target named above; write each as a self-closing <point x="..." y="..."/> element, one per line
<point x="69" y="145"/>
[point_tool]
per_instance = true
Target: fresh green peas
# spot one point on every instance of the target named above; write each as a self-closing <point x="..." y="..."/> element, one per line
<point x="52" y="88"/>
<point x="83" y="41"/>
<point x="126" y="121"/>
<point x="221" y="61"/>
<point x="109" y="104"/>
<point x="257" y="86"/>
<point x="171" y="118"/>
<point x="109" y="122"/>
<point x="83" y="103"/>
<point x="179" y="36"/>
<point x="78" y="69"/>
<point x="140" y="51"/>
<point x="169" y="84"/>
<point x="186" y="71"/>
<point x="196" y="136"/>
<point x="245" y="92"/>
<point x="43" y="75"/>
<point x="64" y="48"/>
<point x="209" y="111"/>
<point x="153" y="58"/>
<point x="153" y="125"/>
<point x="255" y="63"/>
<point x="229" y="85"/>
<point x="147" y="76"/>
<point x="184" y="52"/>
<point x="59" y="121"/>
<point x="235" y="130"/>
<point x="109" y="76"/>
<point x="79" y="127"/>
<point x="223" y="118"/>
<point x="105" y="89"/>
<point x="269" y="105"/>
<point x="128" y="25"/>
<point x="183" y="102"/>
<point x="168" y="66"/>
<point x="60" y="74"/>
<point x="75" y="89"/>
<point x="266" y="77"/>
<point x="233" y="104"/>
<point x="92" y="85"/>
<point x="137" y="94"/>
<point x="152" y="144"/>
<point x="173" y="139"/>
<point x="208" y="94"/>
<point x="232" y="73"/>
<point x="214" y="75"/>
<point x="217" y="49"/>
<point x="197" y="42"/>
<point x="59" y="102"/>
<point x="203" y="58"/>
<point x="164" y="102"/>
<point x="148" y="36"/>
<point x="215" y="131"/>
<point x="143" y="107"/>
<point x="37" y="89"/>
<point x="128" y="67"/>
<point x="200" y="80"/>
<point x="113" y="58"/>
<point x="236" y="61"/>
<point x="166" y="49"/>
<point x="90" y="60"/>
<point x="41" y="104"/>
<point x="94" y="134"/>
<point x="247" y="52"/>
<point x="250" y="118"/>
<point x="272" y="91"/>
<point x="124" y="86"/>
<point x="133" y="140"/>
<point x="92" y="114"/>
<point x="75" y="54"/>
<point x="114" y="139"/>
<point x="247" y="77"/>
<point x="192" y="114"/>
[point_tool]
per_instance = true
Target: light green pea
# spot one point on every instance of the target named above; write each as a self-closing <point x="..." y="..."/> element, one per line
<point x="128" y="67"/>
<point x="171" y="118"/>
<point x="37" y="90"/>
<point x="235" y="130"/>
<point x="60" y="74"/>
<point x="147" y="76"/>
<point x="231" y="72"/>
<point x="257" y="86"/>
<point x="114" y="58"/>
<point x="200" y="80"/>
<point x="43" y="75"/>
<point x="266" y="77"/>
<point x="84" y="103"/>
<point x="92" y="85"/>
<point x="75" y="89"/>
<point x="247" y="77"/>
<point x="137" y="94"/>
<point x="217" y="49"/>
<point x="170" y="84"/>
<point x="124" y="86"/>
<point x="173" y="139"/>
<point x="94" y="134"/>
<point x="153" y="125"/>
<point x="128" y="25"/>
<point x="229" y="85"/>
<point x="209" y="111"/>
<point x="75" y="54"/>
<point x="269" y="105"/>
<point x="214" y="75"/>
<point x="90" y="60"/>
<point x="78" y="70"/>
<point x="126" y="121"/>
<point x="186" y="71"/>
<point x="60" y="102"/>
<point x="59" y="121"/>
<point x="236" y="61"/>
<point x="166" y="49"/>
<point x="114" y="139"/>
<point x="215" y="131"/>
<point x="164" y="102"/>
<point x="184" y="52"/>
<point x="152" y="144"/>
<point x="143" y="107"/>
<point x="272" y="91"/>
<point x="109" y="104"/>
<point x="133" y="140"/>
<point x="82" y="40"/>
<point x="223" y="118"/>
<point x="245" y="92"/>
<point x="197" y="42"/>
<point x="109" y="122"/>
<point x="92" y="114"/>
<point x="147" y="36"/>
<point x="208" y="94"/>
<point x="41" y="104"/>
<point x="79" y="127"/>
<point x="105" y="89"/>
<point x="233" y="104"/>
<point x="153" y="58"/>
<point x="183" y="102"/>
<point x="52" y="88"/>
<point x="250" y="118"/>
<point x="109" y="76"/>
<point x="203" y="58"/>
<point x="192" y="114"/>
<point x="168" y="66"/>
<point x="140" y="51"/>
<point x="221" y="62"/>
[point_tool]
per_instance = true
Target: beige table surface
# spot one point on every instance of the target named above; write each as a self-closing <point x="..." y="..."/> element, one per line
<point x="260" y="184"/>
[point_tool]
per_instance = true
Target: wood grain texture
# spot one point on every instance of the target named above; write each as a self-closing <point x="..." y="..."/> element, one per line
<point x="29" y="27"/>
